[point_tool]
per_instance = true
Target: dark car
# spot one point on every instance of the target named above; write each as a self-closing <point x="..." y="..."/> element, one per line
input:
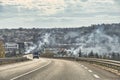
<point x="36" y="55"/>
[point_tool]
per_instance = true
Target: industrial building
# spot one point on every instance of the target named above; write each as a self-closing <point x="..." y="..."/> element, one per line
<point x="13" y="49"/>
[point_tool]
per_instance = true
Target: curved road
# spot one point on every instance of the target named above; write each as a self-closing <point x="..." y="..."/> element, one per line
<point x="54" y="69"/>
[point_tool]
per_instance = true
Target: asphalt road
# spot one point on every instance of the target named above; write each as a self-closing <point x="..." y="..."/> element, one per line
<point x="54" y="69"/>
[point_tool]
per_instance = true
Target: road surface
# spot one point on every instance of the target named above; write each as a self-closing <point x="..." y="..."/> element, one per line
<point x="54" y="69"/>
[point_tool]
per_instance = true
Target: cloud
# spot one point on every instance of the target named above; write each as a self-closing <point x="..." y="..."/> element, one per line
<point x="73" y="7"/>
<point x="45" y="6"/>
<point x="51" y="22"/>
<point x="89" y="8"/>
<point x="58" y="12"/>
<point x="84" y="0"/>
<point x="117" y="2"/>
<point x="1" y="8"/>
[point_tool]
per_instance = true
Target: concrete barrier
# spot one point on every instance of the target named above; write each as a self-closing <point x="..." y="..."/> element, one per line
<point x="12" y="60"/>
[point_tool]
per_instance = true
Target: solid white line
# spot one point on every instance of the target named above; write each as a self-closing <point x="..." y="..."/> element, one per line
<point x="96" y="76"/>
<point x="90" y="70"/>
<point x="30" y="71"/>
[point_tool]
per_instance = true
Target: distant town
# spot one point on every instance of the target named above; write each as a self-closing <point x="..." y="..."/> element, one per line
<point x="102" y="39"/>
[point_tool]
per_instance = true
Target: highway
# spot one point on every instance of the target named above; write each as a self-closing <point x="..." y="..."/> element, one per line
<point x="54" y="69"/>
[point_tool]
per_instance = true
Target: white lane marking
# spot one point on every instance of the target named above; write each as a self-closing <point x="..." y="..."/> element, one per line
<point x="96" y="76"/>
<point x="82" y="65"/>
<point x="30" y="71"/>
<point x="90" y="70"/>
<point x="85" y="67"/>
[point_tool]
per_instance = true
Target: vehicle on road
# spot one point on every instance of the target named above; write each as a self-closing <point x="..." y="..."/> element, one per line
<point x="36" y="55"/>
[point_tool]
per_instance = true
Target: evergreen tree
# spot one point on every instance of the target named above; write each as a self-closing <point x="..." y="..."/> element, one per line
<point x="96" y="55"/>
<point x="80" y="53"/>
<point x="91" y="54"/>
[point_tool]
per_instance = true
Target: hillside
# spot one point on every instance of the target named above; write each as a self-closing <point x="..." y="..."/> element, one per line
<point x="102" y="38"/>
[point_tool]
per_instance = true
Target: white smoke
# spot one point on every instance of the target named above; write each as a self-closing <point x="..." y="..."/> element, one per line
<point x="43" y="42"/>
<point x="40" y="45"/>
<point x="29" y="47"/>
<point x="99" y="42"/>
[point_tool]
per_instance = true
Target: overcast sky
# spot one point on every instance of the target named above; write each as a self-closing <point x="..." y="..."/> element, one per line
<point x="57" y="13"/>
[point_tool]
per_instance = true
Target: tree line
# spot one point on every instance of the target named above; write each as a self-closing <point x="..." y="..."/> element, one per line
<point x="112" y="55"/>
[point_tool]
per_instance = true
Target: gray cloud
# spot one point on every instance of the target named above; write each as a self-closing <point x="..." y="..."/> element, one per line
<point x="67" y="13"/>
<point x="117" y="1"/>
<point x="1" y="8"/>
<point x="84" y="0"/>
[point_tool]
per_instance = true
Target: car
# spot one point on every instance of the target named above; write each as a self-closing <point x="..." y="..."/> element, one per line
<point x="36" y="55"/>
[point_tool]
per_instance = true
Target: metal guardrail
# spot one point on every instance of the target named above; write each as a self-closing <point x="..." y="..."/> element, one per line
<point x="12" y="60"/>
<point x="103" y="62"/>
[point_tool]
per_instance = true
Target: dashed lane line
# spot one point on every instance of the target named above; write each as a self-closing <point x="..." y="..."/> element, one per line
<point x="96" y="76"/>
<point x="85" y="67"/>
<point x="90" y="70"/>
<point x="82" y="65"/>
